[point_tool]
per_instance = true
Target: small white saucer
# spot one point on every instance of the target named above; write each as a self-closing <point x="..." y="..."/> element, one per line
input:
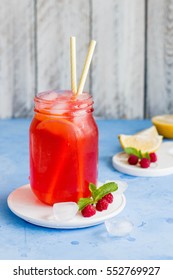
<point x="163" y="166"/>
<point x="23" y="203"/>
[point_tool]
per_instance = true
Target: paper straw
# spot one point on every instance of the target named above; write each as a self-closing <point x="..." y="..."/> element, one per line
<point x="73" y="64"/>
<point x="86" y="67"/>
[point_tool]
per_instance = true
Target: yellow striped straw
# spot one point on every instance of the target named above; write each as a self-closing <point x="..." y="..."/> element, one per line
<point x="86" y="67"/>
<point x="73" y="64"/>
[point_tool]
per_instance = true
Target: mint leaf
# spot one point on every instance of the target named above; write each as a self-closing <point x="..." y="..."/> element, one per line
<point x="92" y="188"/>
<point x="147" y="155"/>
<point x="132" y="151"/>
<point x="83" y="202"/>
<point x="103" y="190"/>
<point x="140" y="154"/>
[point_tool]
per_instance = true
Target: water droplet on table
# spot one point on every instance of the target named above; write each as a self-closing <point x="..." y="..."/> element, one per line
<point x="75" y="242"/>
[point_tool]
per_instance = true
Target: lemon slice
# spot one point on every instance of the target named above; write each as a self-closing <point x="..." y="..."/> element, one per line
<point x="164" y="125"/>
<point x="151" y="132"/>
<point x="147" y="140"/>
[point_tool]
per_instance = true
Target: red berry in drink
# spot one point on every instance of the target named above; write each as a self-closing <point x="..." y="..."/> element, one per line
<point x="102" y="204"/>
<point x="88" y="211"/>
<point x="144" y="163"/>
<point x="133" y="160"/>
<point x="153" y="157"/>
<point x="109" y="197"/>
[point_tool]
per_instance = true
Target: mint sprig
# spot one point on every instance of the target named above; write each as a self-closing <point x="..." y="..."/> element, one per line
<point x="92" y="188"/>
<point x="138" y="153"/>
<point x="104" y="190"/>
<point x="147" y="155"/>
<point x="97" y="194"/>
<point x="83" y="202"/>
<point x="133" y="151"/>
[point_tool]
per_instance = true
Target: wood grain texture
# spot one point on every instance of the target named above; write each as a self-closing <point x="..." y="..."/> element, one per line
<point x="6" y="69"/>
<point x="17" y="58"/>
<point x="118" y="66"/>
<point x="57" y="20"/>
<point x="35" y="45"/>
<point x="160" y="57"/>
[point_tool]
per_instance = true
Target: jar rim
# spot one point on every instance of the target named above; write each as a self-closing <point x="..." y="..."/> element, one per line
<point x="62" y="97"/>
<point x="70" y="97"/>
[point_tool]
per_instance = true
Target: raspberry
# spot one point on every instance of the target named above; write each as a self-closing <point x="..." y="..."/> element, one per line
<point x="144" y="163"/>
<point x="88" y="211"/>
<point x="102" y="204"/>
<point x="109" y="197"/>
<point x="133" y="160"/>
<point x="153" y="157"/>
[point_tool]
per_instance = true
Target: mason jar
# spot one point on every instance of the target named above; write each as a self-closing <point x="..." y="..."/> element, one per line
<point x="63" y="147"/>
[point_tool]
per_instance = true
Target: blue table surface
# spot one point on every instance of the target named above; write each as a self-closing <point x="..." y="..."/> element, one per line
<point x="149" y="205"/>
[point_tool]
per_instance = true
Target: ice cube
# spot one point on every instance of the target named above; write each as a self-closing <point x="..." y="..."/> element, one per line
<point x="118" y="226"/>
<point x="64" y="211"/>
<point x="122" y="186"/>
<point x="83" y="96"/>
<point x="51" y="95"/>
<point x="59" y="108"/>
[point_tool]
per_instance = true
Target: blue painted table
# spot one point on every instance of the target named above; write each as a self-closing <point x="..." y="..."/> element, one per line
<point x="149" y="205"/>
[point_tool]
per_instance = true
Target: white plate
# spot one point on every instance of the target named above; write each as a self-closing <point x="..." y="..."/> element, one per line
<point x="163" y="166"/>
<point x="23" y="203"/>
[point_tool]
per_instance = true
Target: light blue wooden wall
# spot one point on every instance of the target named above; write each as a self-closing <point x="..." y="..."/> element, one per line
<point x="132" y="70"/>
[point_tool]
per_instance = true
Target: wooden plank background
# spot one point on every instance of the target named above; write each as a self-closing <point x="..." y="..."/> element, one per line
<point x="159" y="99"/>
<point x="17" y="58"/>
<point x="131" y="75"/>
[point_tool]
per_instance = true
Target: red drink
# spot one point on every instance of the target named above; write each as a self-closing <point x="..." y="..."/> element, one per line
<point x="63" y="147"/>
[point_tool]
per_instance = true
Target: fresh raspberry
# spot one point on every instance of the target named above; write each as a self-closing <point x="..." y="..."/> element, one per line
<point x="88" y="211"/>
<point x="144" y="163"/>
<point x="133" y="160"/>
<point x="153" y="157"/>
<point x="109" y="197"/>
<point x="102" y="204"/>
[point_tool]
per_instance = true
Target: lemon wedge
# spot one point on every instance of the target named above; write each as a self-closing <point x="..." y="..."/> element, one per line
<point x="151" y="132"/>
<point x="164" y="125"/>
<point x="147" y="140"/>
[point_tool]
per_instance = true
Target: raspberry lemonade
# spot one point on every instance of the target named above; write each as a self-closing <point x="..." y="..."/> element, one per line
<point x="63" y="147"/>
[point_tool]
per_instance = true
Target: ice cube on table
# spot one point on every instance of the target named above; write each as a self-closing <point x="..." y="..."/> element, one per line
<point x="118" y="226"/>
<point x="64" y="211"/>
